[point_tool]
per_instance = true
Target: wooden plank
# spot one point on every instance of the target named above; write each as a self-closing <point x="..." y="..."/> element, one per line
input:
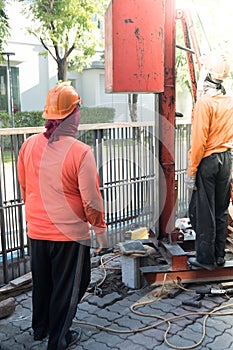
<point x="22" y="280"/>
<point x="11" y="291"/>
<point x="226" y="285"/>
<point x="16" y="286"/>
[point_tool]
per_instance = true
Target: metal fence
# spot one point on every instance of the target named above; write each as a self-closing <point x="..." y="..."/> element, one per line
<point x="127" y="161"/>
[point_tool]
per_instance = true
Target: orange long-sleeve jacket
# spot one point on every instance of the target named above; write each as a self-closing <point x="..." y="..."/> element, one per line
<point x="212" y="127"/>
<point x="60" y="187"/>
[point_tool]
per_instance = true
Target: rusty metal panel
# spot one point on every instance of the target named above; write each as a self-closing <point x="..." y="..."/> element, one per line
<point x="134" y="46"/>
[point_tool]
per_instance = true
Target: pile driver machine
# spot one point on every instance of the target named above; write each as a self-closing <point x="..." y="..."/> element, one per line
<point x="140" y="44"/>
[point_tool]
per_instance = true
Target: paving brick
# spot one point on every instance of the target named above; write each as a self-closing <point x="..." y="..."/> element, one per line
<point x="146" y="321"/>
<point x="25" y="325"/>
<point x="133" y="298"/>
<point x="8" y="331"/>
<point x="155" y="333"/>
<point x="94" y="319"/>
<point x="164" y="346"/>
<point x="117" y="307"/>
<point x="158" y="309"/>
<point x="212" y="332"/>
<point x="90" y="308"/>
<point x="27" y="303"/>
<point x="109" y="315"/>
<point x="223" y="341"/>
<point x="15" y="346"/>
<point x="82" y="315"/>
<point x="177" y="340"/>
<point x="124" y="303"/>
<point x="191" y="333"/>
<point x="129" y="345"/>
<point x="22" y="297"/>
<point x="88" y="331"/>
<point x="110" y="339"/>
<point x="169" y="302"/>
<point x="143" y="340"/>
<point x="107" y="300"/>
<point x="221" y="323"/>
<point x="129" y="323"/>
<point x="93" y="345"/>
<point x="41" y="346"/>
<point x="16" y="333"/>
<point x="25" y="338"/>
<point x="210" y="303"/>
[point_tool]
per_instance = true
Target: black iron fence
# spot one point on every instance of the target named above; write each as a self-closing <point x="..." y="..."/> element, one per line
<point x="127" y="161"/>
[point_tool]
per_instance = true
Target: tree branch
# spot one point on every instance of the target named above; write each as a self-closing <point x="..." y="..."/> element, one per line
<point x="54" y="43"/>
<point x="47" y="48"/>
<point x="69" y="51"/>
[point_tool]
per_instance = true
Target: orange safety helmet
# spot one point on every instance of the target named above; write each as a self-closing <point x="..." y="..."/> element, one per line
<point x="217" y="64"/>
<point x="61" y="100"/>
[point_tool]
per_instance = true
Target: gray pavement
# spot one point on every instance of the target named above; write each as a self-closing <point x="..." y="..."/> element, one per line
<point x="130" y="330"/>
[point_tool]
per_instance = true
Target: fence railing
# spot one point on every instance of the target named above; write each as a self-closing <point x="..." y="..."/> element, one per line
<point x="126" y="158"/>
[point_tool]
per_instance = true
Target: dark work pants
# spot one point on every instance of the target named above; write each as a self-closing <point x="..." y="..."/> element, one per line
<point x="208" y="209"/>
<point x="60" y="276"/>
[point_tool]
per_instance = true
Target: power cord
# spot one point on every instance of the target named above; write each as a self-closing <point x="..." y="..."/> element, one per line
<point x="154" y="296"/>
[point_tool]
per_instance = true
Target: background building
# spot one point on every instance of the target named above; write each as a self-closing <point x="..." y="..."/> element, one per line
<point x="33" y="74"/>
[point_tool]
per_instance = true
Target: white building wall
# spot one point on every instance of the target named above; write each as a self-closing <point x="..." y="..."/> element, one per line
<point x="37" y="74"/>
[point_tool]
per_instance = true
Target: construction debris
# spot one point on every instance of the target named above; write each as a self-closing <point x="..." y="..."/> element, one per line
<point x="132" y="247"/>
<point x="16" y="286"/>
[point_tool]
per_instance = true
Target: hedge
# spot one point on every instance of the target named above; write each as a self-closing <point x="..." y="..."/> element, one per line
<point x="89" y="115"/>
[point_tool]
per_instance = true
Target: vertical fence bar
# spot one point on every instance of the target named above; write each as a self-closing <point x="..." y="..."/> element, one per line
<point x="3" y="251"/>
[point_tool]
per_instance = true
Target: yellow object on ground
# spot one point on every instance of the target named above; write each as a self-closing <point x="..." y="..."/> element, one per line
<point x="141" y="233"/>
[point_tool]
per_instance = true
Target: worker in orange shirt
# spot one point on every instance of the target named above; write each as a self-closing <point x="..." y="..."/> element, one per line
<point x="60" y="187"/>
<point x="210" y="165"/>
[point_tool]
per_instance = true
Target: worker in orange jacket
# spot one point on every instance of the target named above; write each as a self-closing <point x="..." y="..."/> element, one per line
<point x="60" y="187"/>
<point x="210" y="165"/>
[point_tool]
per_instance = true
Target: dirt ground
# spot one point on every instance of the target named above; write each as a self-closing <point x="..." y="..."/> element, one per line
<point x="113" y="283"/>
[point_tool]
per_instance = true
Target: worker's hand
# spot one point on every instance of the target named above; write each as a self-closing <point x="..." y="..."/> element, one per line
<point x="102" y="244"/>
<point x="190" y="183"/>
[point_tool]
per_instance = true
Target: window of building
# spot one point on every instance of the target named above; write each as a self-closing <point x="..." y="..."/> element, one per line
<point x="15" y="88"/>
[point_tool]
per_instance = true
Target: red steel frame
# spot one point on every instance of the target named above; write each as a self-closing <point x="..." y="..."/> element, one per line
<point x="167" y="126"/>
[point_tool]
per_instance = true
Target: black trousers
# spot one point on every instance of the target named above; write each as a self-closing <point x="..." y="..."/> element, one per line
<point x="60" y="276"/>
<point x="208" y="209"/>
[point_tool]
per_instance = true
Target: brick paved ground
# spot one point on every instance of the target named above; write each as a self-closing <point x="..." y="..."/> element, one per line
<point x="113" y="311"/>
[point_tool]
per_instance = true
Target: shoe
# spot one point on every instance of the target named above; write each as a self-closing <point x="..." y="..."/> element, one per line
<point x="194" y="262"/>
<point x="39" y="335"/>
<point x="220" y="261"/>
<point x="72" y="337"/>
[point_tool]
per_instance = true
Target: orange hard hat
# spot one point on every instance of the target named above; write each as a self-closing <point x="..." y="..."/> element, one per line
<point x="61" y="100"/>
<point x="218" y="65"/>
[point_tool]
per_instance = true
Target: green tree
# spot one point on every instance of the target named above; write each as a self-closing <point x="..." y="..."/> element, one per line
<point x="4" y="25"/>
<point x="67" y="29"/>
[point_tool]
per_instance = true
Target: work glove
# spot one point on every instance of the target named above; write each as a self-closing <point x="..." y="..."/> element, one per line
<point x="190" y="183"/>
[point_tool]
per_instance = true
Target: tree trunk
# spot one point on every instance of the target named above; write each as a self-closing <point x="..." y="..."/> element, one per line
<point x="132" y="102"/>
<point x="62" y="69"/>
